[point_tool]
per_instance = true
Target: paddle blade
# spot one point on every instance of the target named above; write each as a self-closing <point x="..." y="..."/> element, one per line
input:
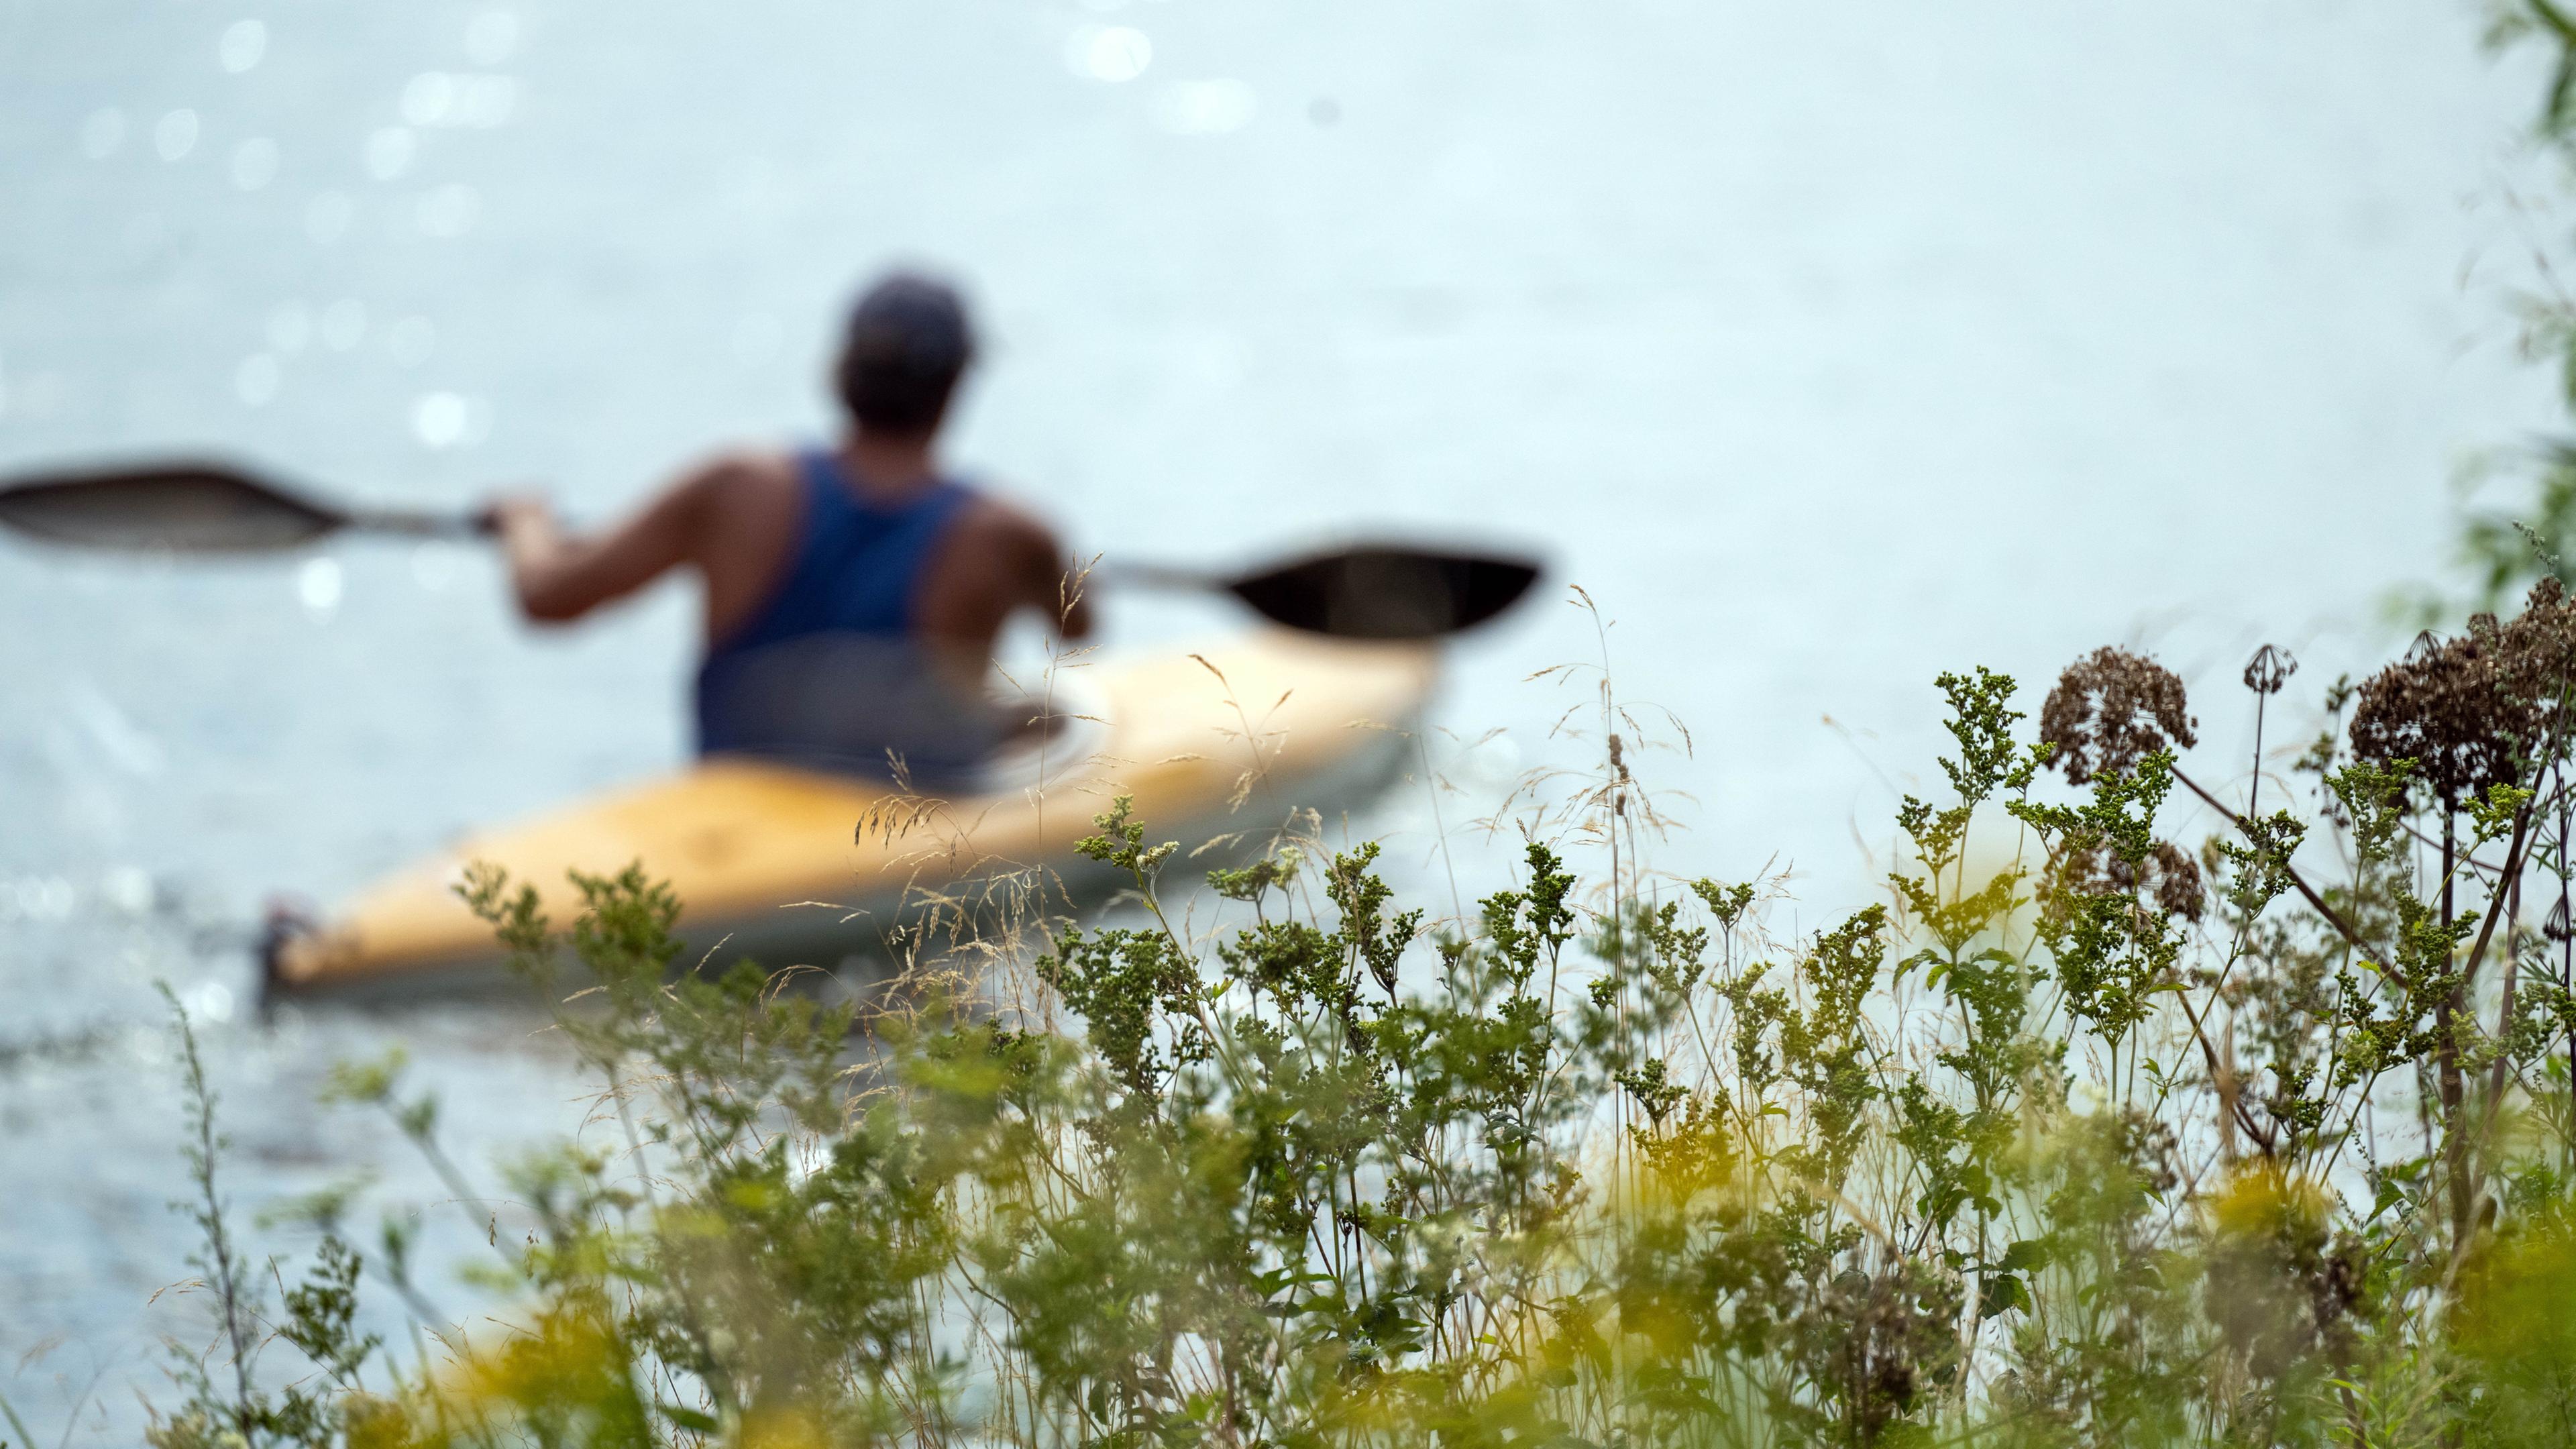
<point x="173" y="507"/>
<point x="1387" y="593"/>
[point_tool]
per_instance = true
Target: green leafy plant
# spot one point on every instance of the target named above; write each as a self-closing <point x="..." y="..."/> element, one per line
<point x="2076" y="1138"/>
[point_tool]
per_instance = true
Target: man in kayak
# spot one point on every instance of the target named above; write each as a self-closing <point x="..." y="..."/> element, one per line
<point x="853" y="592"/>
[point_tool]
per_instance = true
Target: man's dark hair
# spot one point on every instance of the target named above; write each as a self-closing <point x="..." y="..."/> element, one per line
<point x="908" y="343"/>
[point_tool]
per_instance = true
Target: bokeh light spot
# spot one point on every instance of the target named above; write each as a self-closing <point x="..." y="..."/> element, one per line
<point x="429" y="97"/>
<point x="244" y="42"/>
<point x="128" y="888"/>
<point x="176" y="136"/>
<point x="318" y="586"/>
<point x="1111" y="53"/>
<point x="438" y="419"/>
<point x="212" y="1001"/>
<point x="36" y="898"/>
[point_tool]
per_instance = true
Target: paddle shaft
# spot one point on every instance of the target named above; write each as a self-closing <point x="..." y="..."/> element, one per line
<point x="418" y="523"/>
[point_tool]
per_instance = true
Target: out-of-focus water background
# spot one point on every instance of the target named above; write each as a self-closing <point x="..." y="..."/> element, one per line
<point x="1826" y="347"/>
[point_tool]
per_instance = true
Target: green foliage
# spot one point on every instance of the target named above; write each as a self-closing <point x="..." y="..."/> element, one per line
<point x="2063" y="1144"/>
<point x="220" y="1404"/>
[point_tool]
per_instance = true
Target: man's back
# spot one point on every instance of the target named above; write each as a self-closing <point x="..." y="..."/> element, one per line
<point x="865" y="544"/>
<point x="739" y="522"/>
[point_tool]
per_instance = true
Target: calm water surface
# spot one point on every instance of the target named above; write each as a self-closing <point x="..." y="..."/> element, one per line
<point x="1825" y="347"/>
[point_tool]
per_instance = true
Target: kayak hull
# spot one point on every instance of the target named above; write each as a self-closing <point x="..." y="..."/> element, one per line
<point x="767" y="859"/>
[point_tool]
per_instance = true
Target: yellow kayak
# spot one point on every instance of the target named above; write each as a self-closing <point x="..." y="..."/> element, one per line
<point x="1227" y="739"/>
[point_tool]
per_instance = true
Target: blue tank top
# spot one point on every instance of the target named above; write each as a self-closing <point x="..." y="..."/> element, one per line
<point x="828" y="672"/>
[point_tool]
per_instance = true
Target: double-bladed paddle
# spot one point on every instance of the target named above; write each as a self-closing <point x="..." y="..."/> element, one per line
<point x="1373" y="591"/>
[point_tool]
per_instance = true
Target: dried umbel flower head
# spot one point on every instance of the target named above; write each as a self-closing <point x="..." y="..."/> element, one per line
<point x="2111" y="709"/>
<point x="2168" y="875"/>
<point x="2269" y="669"/>
<point x="2177" y="880"/>
<point x="2455" y="707"/>
<point x="2540" y="645"/>
<point x="2473" y="711"/>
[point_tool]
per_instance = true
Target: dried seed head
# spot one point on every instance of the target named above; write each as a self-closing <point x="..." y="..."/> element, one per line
<point x="2541" y="645"/>
<point x="2168" y="874"/>
<point x="2269" y="669"/>
<point x="2471" y="711"/>
<point x="2468" y="711"/>
<point x="2111" y="709"/>
<point x="2177" y="878"/>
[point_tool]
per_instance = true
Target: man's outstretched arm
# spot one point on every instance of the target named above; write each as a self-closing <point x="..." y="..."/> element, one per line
<point x="561" y="576"/>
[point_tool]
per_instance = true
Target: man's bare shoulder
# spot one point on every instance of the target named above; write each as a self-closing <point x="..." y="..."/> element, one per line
<point x="736" y="470"/>
<point x="1007" y="527"/>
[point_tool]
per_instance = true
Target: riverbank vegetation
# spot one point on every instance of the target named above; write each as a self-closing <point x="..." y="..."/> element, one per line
<point x="2084" y="1134"/>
